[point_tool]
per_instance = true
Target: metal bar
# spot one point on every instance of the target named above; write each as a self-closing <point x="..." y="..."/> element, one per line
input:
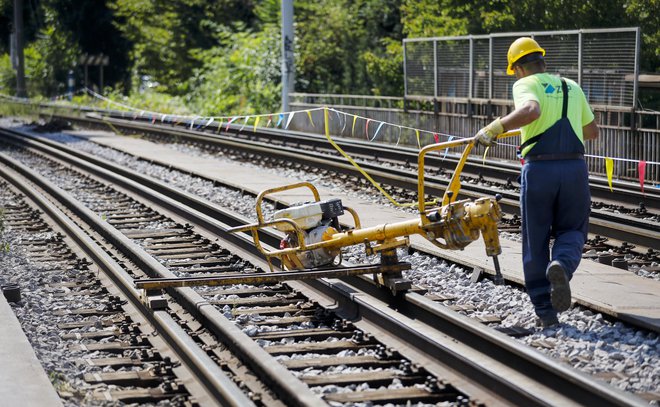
<point x="21" y="91"/>
<point x="288" y="66"/>
<point x="435" y="69"/>
<point x="636" y="69"/>
<point x="471" y="70"/>
<point x="268" y="278"/>
<point x="405" y="70"/>
<point x="490" y="69"/>
<point x="580" y="58"/>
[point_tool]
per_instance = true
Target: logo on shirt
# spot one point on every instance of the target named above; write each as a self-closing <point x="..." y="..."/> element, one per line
<point x="549" y="88"/>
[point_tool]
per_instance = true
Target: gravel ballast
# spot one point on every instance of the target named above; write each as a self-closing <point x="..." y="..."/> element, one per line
<point x="625" y="357"/>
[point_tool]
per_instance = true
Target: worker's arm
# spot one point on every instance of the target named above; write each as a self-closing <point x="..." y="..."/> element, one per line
<point x="522" y="116"/>
<point x="590" y="131"/>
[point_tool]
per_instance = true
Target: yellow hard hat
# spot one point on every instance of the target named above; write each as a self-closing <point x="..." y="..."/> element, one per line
<point x="521" y="47"/>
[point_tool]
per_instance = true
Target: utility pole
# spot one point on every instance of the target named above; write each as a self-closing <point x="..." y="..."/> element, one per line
<point x="20" y="67"/>
<point x="288" y="67"/>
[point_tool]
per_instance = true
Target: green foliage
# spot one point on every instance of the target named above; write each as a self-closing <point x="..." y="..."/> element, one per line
<point x="167" y="33"/>
<point x="149" y="100"/>
<point x="334" y="39"/>
<point x="223" y="57"/>
<point x="239" y="77"/>
<point x="47" y="61"/>
<point x="646" y="14"/>
<point x="7" y="75"/>
<point x="328" y="36"/>
<point x="386" y="72"/>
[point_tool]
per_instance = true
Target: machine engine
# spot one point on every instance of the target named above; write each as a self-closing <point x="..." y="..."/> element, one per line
<point x="319" y="221"/>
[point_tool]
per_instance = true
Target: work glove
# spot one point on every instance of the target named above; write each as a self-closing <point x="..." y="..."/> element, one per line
<point x="488" y="135"/>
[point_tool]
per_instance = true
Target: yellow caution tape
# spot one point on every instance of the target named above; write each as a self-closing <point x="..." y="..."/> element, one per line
<point x="363" y="172"/>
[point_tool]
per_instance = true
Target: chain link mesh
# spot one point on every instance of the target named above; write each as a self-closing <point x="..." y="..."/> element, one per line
<point x="604" y="65"/>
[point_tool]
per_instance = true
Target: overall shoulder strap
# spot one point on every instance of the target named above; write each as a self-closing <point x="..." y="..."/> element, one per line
<point x="564" y="113"/>
<point x="564" y="90"/>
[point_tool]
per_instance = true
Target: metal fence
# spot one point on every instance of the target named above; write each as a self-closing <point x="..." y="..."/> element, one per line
<point x="618" y="138"/>
<point x="603" y="61"/>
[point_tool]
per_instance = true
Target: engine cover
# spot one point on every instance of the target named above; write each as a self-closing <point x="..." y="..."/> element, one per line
<point x="317" y="257"/>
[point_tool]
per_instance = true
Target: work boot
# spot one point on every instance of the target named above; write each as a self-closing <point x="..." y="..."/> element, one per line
<point x="560" y="289"/>
<point x="548" y="321"/>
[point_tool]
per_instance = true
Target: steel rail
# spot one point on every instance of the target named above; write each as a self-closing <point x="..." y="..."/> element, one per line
<point x="289" y="388"/>
<point x="500" y="170"/>
<point x="620" y="227"/>
<point x="498" y="357"/>
<point x="271" y="238"/>
<point x="497" y="170"/>
<point x="599" y="227"/>
<point x="214" y="380"/>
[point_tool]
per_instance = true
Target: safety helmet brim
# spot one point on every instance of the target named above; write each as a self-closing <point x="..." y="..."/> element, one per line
<point x="519" y="48"/>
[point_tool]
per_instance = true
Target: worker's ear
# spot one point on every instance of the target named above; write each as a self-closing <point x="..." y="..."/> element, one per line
<point x="518" y="71"/>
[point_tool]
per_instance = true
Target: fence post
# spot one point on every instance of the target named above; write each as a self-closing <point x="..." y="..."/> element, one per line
<point x="580" y="58"/>
<point x="471" y="70"/>
<point x="405" y="75"/>
<point x="489" y="109"/>
<point x="636" y="69"/>
<point x="435" y="68"/>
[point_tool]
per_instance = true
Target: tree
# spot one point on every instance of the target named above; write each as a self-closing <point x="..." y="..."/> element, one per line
<point x="166" y="34"/>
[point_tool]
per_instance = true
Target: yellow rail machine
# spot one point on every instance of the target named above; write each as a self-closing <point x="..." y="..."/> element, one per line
<point x="314" y="236"/>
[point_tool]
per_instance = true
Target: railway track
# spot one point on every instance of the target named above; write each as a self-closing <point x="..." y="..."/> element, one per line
<point x="625" y="236"/>
<point x="623" y="214"/>
<point x="167" y="233"/>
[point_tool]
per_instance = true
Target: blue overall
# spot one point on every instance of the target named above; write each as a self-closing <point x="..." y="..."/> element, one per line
<point x="555" y="202"/>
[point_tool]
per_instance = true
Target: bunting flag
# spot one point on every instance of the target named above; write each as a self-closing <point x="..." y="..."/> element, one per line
<point x="642" y="173"/>
<point x="399" y="137"/>
<point x="609" y="169"/>
<point x="279" y="119"/>
<point x="353" y="128"/>
<point x="288" y="120"/>
<point x="270" y="120"/>
<point x="419" y="145"/>
<point x="483" y="161"/>
<point x="208" y="123"/>
<point x="436" y="138"/>
<point x="446" y="149"/>
<point x="339" y="120"/>
<point x="153" y="119"/>
<point x="230" y="122"/>
<point x="366" y="129"/>
<point x="344" y="126"/>
<point x="377" y="130"/>
<point x="256" y="123"/>
<point x="192" y="122"/>
<point x="219" y="127"/>
<point x="342" y="152"/>
<point x="162" y="119"/>
<point x="309" y="114"/>
<point x="247" y="118"/>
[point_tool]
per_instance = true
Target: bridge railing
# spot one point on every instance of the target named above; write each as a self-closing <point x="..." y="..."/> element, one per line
<point x="626" y="135"/>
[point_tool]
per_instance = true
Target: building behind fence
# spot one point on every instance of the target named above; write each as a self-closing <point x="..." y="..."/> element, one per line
<point x="456" y="85"/>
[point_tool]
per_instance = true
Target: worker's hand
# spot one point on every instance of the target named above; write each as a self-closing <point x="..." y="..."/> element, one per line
<point x="488" y="135"/>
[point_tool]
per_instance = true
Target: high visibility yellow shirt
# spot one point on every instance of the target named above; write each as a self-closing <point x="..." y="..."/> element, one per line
<point x="545" y="89"/>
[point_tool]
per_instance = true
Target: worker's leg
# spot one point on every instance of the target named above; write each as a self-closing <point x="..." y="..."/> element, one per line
<point x="537" y="195"/>
<point x="571" y="219"/>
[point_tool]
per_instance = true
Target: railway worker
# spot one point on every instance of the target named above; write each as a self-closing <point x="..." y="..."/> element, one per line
<point x="555" y="119"/>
